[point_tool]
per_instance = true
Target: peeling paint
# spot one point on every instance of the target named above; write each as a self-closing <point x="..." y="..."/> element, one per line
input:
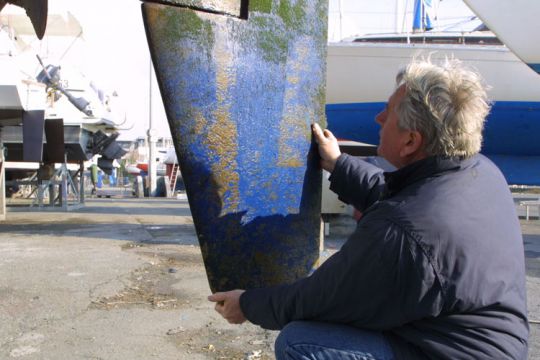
<point x="223" y="135"/>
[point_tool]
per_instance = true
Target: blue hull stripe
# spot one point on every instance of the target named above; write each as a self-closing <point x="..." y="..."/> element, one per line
<point x="518" y="170"/>
<point x="535" y="67"/>
<point x="512" y="127"/>
<point x="510" y="136"/>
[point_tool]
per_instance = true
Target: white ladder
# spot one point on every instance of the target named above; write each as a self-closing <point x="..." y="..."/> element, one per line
<point x="174" y="177"/>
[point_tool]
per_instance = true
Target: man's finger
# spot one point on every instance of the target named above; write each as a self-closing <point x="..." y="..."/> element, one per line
<point x="317" y="132"/>
<point x="217" y="297"/>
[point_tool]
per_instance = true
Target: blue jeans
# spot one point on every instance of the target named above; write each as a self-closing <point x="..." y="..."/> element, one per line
<point x="310" y="340"/>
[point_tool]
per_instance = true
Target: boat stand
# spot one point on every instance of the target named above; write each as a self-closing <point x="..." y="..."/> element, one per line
<point x="2" y="184"/>
<point x="63" y="191"/>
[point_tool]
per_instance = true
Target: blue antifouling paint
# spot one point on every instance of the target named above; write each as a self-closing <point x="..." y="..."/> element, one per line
<point x="509" y="136"/>
<point x="511" y="127"/>
<point x="535" y="67"/>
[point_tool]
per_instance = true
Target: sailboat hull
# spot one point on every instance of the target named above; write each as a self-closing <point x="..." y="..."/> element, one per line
<point x="240" y="95"/>
<point x="515" y="23"/>
<point x="361" y="76"/>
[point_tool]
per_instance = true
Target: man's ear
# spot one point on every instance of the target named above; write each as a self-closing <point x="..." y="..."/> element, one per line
<point x="413" y="145"/>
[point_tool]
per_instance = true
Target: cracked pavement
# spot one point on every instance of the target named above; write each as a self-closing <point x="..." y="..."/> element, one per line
<point x="124" y="279"/>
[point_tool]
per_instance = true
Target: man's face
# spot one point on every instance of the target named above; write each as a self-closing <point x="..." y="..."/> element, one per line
<point x="392" y="138"/>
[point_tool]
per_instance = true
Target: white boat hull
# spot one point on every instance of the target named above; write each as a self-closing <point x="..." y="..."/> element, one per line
<point x="361" y="77"/>
<point x="366" y="72"/>
<point x="516" y="23"/>
<point x="16" y="94"/>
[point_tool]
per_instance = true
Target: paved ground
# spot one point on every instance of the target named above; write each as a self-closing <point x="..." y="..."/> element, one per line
<point x="124" y="279"/>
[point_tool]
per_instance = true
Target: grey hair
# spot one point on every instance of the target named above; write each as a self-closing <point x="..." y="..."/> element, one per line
<point x="446" y="103"/>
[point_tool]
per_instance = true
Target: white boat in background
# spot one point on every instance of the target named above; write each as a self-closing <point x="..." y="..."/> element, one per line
<point x="516" y="23"/>
<point x="361" y="76"/>
<point x="17" y="92"/>
<point x="137" y="156"/>
<point x="49" y="114"/>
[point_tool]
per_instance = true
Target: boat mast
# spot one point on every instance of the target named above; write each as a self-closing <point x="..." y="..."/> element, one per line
<point x="340" y="20"/>
<point x="151" y="133"/>
<point x="404" y="28"/>
<point x="398" y="11"/>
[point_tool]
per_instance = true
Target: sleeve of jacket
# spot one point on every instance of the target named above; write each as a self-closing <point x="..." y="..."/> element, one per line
<point x="378" y="281"/>
<point x="356" y="181"/>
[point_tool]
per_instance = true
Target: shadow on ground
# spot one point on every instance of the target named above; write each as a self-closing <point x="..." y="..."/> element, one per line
<point x="182" y="234"/>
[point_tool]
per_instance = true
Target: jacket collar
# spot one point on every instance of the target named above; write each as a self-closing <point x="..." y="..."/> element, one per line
<point x="428" y="167"/>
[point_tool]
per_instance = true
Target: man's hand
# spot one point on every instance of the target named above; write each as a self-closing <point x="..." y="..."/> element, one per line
<point x="328" y="147"/>
<point x="228" y="305"/>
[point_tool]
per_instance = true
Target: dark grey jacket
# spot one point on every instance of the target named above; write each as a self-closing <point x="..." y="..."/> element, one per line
<point x="436" y="263"/>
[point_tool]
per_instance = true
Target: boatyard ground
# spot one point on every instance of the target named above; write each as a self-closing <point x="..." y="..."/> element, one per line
<point x="124" y="279"/>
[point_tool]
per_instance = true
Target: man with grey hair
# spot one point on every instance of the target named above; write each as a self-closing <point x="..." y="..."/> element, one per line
<point x="435" y="268"/>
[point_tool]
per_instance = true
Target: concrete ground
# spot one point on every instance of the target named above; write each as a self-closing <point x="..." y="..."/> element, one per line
<point x="124" y="279"/>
